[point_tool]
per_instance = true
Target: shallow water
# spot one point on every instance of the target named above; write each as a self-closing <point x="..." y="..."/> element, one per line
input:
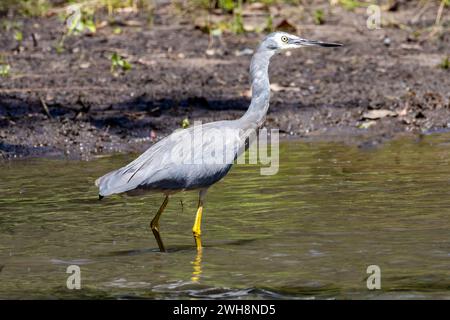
<point x="309" y="231"/>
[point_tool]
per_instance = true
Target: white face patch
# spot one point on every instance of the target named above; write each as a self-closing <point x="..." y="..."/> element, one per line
<point x="284" y="41"/>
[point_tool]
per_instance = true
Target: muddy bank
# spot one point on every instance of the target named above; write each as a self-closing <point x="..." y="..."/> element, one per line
<point x="382" y="83"/>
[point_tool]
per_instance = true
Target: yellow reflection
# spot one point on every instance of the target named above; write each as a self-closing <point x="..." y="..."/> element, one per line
<point x="197" y="266"/>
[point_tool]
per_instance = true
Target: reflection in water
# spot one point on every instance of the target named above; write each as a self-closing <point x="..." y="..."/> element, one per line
<point x="311" y="230"/>
<point x="197" y="266"/>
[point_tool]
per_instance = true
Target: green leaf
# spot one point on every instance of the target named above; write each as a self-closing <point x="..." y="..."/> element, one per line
<point x="445" y="64"/>
<point x="126" y="65"/>
<point x="4" y="70"/>
<point x="90" y="25"/>
<point x="18" y="35"/>
<point x="185" y="123"/>
<point x="227" y="5"/>
<point x="319" y="16"/>
<point x="119" y="62"/>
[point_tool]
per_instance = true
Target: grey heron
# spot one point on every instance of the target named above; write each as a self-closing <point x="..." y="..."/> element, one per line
<point x="155" y="171"/>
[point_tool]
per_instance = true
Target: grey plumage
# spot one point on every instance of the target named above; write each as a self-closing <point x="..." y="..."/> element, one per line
<point x="156" y="169"/>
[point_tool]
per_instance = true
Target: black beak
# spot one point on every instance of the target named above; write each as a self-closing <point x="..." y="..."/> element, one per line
<point x="305" y="42"/>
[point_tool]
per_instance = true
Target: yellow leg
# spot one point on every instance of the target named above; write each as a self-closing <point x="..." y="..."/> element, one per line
<point x="198" y="221"/>
<point x="196" y="228"/>
<point x="154" y="225"/>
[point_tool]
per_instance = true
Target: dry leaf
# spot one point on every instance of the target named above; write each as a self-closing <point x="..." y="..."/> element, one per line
<point x="378" y="114"/>
<point x="367" y="124"/>
<point x="275" y="87"/>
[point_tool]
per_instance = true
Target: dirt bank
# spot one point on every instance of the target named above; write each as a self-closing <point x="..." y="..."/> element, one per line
<point x="70" y="104"/>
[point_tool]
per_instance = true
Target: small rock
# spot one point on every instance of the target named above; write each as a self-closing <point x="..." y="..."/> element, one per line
<point x="85" y="65"/>
<point x="403" y="112"/>
<point x="244" y="52"/>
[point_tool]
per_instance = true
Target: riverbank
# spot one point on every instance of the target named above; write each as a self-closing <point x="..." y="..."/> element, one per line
<point x="68" y="102"/>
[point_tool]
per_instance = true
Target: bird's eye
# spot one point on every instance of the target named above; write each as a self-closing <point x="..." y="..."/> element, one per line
<point x="284" y="39"/>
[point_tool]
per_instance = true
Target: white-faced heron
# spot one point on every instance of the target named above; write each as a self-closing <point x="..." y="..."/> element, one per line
<point x="158" y="170"/>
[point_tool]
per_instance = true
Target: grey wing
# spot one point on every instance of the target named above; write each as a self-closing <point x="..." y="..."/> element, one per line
<point x="183" y="160"/>
<point x="124" y="179"/>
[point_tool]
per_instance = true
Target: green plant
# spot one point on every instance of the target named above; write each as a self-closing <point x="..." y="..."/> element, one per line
<point x="80" y="20"/>
<point x="77" y="21"/>
<point x="59" y="47"/>
<point x="237" y="25"/>
<point x="185" y="123"/>
<point x="4" y="69"/>
<point x="113" y="5"/>
<point x="269" y="23"/>
<point x="42" y="7"/>
<point x="227" y="5"/>
<point x="292" y="2"/>
<point x="444" y="3"/>
<point x="204" y="4"/>
<point x="14" y="27"/>
<point x="18" y="36"/>
<point x="119" y="62"/>
<point x="445" y="64"/>
<point x="352" y="4"/>
<point x="319" y="16"/>
<point x="9" y="25"/>
<point x="26" y="7"/>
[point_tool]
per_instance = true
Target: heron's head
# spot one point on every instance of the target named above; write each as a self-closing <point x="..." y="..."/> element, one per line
<point x="278" y="41"/>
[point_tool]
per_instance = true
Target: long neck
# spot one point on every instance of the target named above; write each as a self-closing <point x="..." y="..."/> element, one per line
<point x="259" y="75"/>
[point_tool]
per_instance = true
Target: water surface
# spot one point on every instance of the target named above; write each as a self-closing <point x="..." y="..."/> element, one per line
<point x="308" y="232"/>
